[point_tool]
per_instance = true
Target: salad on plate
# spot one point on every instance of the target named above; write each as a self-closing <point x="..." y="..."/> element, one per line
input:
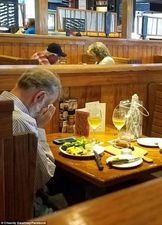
<point x="80" y="147"/>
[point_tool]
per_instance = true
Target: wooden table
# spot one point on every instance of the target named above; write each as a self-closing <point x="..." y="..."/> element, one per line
<point x="88" y="170"/>
<point x="137" y="205"/>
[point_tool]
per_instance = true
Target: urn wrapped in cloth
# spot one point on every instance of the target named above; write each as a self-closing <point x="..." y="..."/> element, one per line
<point x="134" y="118"/>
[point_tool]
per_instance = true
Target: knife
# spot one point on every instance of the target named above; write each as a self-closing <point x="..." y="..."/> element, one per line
<point x="122" y="161"/>
<point x="98" y="160"/>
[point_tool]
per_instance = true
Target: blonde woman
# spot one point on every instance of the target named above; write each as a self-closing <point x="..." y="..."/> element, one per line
<point x="101" y="53"/>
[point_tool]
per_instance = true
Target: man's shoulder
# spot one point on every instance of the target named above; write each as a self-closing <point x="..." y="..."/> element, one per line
<point x="30" y="30"/>
<point x="23" y="122"/>
<point x="40" y="54"/>
<point x="18" y="114"/>
<point x="107" y="60"/>
<point x="41" y="57"/>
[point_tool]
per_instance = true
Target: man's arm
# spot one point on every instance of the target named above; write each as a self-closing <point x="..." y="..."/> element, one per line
<point x="45" y="160"/>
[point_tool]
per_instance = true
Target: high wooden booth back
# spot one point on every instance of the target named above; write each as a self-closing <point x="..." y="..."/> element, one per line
<point x="157" y="59"/>
<point x="17" y="167"/>
<point x="24" y="46"/>
<point x="86" y="83"/>
<point x="154" y="103"/>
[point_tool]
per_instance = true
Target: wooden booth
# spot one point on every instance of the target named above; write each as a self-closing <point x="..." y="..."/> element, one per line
<point x="86" y="83"/>
<point x="25" y="46"/>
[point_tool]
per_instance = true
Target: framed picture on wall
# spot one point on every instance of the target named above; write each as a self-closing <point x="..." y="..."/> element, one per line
<point x="52" y="20"/>
<point x="8" y="14"/>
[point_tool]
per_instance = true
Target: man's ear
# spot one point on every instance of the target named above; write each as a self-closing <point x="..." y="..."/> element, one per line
<point x="39" y="96"/>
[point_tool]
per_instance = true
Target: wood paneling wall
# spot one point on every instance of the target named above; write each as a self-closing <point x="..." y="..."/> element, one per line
<point x="25" y="45"/>
<point x="108" y="84"/>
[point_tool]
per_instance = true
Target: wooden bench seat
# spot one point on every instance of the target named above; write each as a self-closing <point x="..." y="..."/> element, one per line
<point x="120" y="60"/>
<point x="11" y="60"/>
<point x="89" y="59"/>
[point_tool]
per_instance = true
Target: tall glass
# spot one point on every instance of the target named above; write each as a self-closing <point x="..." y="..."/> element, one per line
<point x="95" y="118"/>
<point x="119" y="118"/>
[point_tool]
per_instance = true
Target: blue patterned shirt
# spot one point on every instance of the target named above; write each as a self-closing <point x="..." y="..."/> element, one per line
<point x="23" y="122"/>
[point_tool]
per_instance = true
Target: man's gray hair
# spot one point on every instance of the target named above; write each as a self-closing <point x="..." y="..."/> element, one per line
<point x="41" y="79"/>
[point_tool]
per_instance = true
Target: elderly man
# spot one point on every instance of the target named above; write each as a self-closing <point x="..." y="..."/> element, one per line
<point x="50" y="56"/>
<point x="33" y="96"/>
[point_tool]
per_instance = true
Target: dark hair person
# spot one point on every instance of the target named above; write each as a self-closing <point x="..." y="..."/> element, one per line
<point x="51" y="55"/>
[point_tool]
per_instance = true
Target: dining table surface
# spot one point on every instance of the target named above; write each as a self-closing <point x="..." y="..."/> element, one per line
<point x="86" y="168"/>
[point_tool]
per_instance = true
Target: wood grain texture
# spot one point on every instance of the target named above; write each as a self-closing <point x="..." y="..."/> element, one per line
<point x="13" y="60"/>
<point x="17" y="169"/>
<point x="154" y="102"/>
<point x="90" y="59"/>
<point x="2" y="183"/>
<point x="6" y="157"/>
<point x="6" y="119"/>
<point x="108" y="84"/>
<point x="157" y="59"/>
<point x="25" y="152"/>
<point x="25" y="46"/>
<point x="137" y="205"/>
<point x="87" y="169"/>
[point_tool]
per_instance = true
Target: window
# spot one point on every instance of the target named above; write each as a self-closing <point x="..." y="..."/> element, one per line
<point x="8" y="14"/>
<point x="52" y="20"/>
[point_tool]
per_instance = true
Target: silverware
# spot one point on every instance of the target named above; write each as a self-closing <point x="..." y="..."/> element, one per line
<point x="122" y="161"/>
<point x="98" y="160"/>
<point x="159" y="145"/>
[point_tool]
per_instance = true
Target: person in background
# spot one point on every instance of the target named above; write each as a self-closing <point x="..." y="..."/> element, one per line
<point x="33" y="96"/>
<point x="101" y="53"/>
<point x="78" y="34"/>
<point x="30" y="28"/>
<point x="51" y="55"/>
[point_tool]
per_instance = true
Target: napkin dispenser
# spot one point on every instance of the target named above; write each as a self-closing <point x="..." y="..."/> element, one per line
<point x="81" y="122"/>
<point x="90" y="105"/>
<point x="81" y="118"/>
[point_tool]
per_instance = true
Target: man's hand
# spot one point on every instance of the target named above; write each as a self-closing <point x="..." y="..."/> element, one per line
<point x="45" y="115"/>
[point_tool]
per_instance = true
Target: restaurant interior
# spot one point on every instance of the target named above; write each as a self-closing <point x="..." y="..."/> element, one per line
<point x="106" y="132"/>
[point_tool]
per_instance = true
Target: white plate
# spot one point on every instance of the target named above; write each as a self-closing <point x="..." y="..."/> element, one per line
<point x="149" y="142"/>
<point x="97" y="148"/>
<point x="76" y="156"/>
<point x="125" y="165"/>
